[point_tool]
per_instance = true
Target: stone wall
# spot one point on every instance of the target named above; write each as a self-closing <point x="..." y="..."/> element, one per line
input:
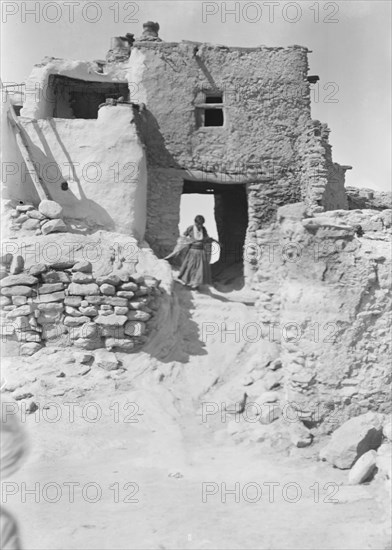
<point x="264" y="198"/>
<point x="327" y="295"/>
<point x="268" y="141"/>
<point x="335" y="196"/>
<point x="24" y="219"/>
<point x="368" y="198"/>
<point x="266" y="101"/>
<point x="266" y="104"/>
<point x="63" y="304"/>
<point x="322" y="180"/>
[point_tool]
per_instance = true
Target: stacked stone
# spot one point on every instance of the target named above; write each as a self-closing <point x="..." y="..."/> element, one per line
<point x="65" y="303"/>
<point x="113" y="309"/>
<point x="360" y="199"/>
<point x="315" y="158"/>
<point x="17" y="310"/>
<point x="44" y="220"/>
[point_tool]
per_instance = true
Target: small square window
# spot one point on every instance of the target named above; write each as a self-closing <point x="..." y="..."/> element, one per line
<point x="210" y="109"/>
<point x="213" y="117"/>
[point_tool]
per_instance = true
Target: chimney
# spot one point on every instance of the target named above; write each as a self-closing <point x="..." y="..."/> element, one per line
<point x="120" y="48"/>
<point x="150" y="32"/>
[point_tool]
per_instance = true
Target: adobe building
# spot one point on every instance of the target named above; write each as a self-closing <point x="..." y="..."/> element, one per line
<point x="116" y="142"/>
<point x="192" y="118"/>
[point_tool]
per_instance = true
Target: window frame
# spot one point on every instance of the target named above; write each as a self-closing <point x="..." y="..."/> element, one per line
<point x="202" y="107"/>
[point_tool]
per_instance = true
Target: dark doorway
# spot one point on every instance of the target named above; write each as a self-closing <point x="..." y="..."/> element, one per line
<point x="231" y="216"/>
<point x="74" y="98"/>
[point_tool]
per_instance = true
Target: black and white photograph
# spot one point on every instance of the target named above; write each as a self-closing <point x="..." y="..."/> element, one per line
<point x="196" y="275"/>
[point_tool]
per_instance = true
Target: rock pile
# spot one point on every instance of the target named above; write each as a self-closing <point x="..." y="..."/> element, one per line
<point x="363" y="444"/>
<point x="44" y="220"/>
<point x="353" y="439"/>
<point x="368" y="198"/>
<point x="255" y="409"/>
<point x="65" y="304"/>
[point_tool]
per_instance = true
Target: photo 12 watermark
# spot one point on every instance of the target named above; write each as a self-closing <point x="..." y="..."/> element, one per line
<point x="52" y="412"/>
<point x="268" y="492"/>
<point x="29" y="12"/>
<point x="72" y="172"/>
<point x="70" y="492"/>
<point x="269" y="12"/>
<point x="49" y="94"/>
<point x="260" y="410"/>
<point x="253" y="331"/>
<point x="53" y="252"/>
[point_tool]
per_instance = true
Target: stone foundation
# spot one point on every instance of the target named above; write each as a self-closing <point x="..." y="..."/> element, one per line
<point x="64" y="304"/>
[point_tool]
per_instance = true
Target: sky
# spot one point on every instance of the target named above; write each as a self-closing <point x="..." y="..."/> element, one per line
<point x="350" y="43"/>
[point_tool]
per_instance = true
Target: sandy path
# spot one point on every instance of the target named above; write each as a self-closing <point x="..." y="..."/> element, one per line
<point x="170" y="437"/>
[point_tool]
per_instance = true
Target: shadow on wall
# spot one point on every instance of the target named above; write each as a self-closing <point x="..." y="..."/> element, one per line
<point x="81" y="208"/>
<point x="157" y="153"/>
<point x="163" y="192"/>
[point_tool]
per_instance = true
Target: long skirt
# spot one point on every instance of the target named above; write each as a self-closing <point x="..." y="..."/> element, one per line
<point x="195" y="269"/>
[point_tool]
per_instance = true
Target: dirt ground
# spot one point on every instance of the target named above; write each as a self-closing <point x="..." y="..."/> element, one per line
<point x="151" y="473"/>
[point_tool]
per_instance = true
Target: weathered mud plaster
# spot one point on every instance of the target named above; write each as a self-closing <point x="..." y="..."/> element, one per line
<point x="265" y="140"/>
<point x="40" y="99"/>
<point x="103" y="162"/>
<point x="16" y="182"/>
<point x="328" y="295"/>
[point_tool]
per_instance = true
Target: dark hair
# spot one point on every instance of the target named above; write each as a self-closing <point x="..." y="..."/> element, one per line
<point x="199" y="219"/>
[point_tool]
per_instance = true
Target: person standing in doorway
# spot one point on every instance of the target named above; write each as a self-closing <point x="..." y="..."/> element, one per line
<point x="195" y="269"/>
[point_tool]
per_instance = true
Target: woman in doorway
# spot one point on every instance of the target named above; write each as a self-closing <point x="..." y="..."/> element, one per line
<point x="195" y="269"/>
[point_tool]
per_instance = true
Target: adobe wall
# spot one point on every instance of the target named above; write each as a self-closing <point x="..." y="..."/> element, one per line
<point x="266" y="101"/>
<point x="268" y="141"/>
<point x="328" y="295"/>
<point x="266" y="106"/>
<point x="103" y="163"/>
<point x="15" y="180"/>
<point x="39" y="94"/>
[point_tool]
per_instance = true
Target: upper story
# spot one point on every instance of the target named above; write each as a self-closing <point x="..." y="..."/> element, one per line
<point x="201" y="105"/>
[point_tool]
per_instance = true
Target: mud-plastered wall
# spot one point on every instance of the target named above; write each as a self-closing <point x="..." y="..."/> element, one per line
<point x="332" y="320"/>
